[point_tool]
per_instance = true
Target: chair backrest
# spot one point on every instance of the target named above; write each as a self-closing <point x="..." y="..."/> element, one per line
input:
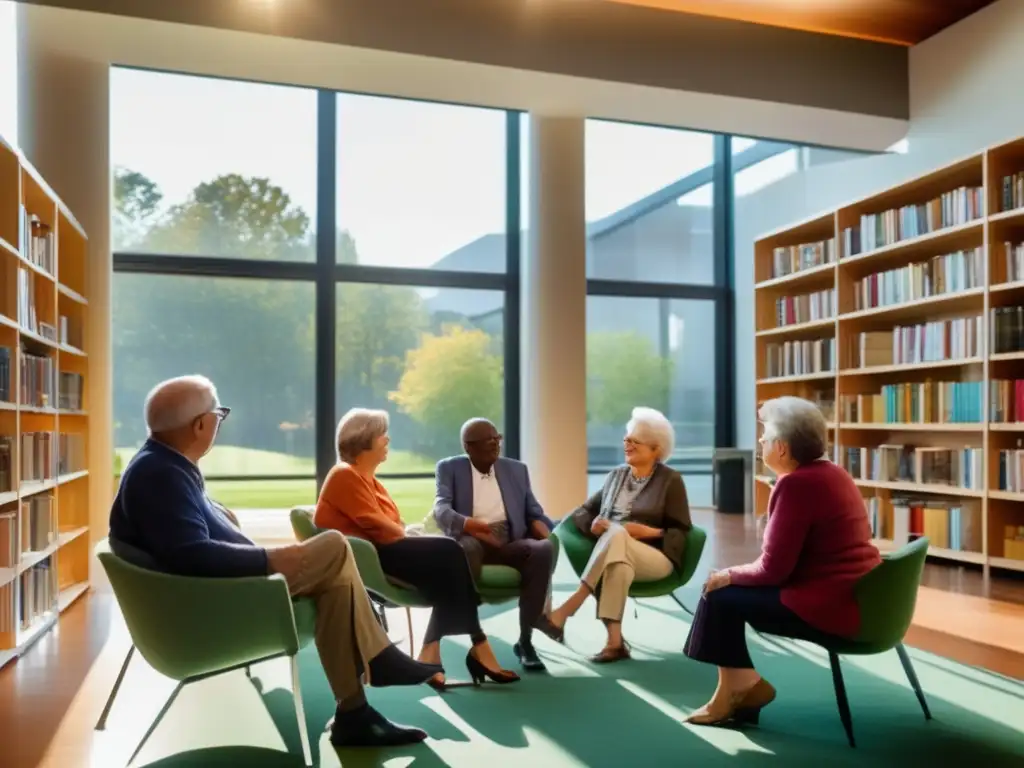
<point x="696" y="538"/>
<point x="302" y="523"/>
<point x="887" y="595"/>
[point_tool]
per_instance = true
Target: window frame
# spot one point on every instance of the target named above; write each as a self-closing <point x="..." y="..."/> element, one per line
<point x="326" y="274"/>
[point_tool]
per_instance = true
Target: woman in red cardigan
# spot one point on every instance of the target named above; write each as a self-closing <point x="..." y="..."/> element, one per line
<point x="817" y="544"/>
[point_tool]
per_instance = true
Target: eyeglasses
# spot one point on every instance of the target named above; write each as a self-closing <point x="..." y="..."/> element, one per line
<point x="485" y="440"/>
<point x="221" y="412"/>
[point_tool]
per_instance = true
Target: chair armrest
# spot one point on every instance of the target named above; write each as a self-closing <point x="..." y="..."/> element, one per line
<point x="186" y="626"/>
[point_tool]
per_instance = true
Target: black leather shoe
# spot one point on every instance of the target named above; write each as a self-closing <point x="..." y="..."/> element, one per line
<point x="366" y="727"/>
<point x="528" y="657"/>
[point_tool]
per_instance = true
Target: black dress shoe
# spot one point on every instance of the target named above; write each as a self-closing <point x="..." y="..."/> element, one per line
<point x="392" y="667"/>
<point x="528" y="657"/>
<point x="366" y="727"/>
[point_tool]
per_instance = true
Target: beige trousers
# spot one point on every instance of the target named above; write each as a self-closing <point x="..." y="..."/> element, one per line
<point x="347" y="632"/>
<point x="617" y="560"/>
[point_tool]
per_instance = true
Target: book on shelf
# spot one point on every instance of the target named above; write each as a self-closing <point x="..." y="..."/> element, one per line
<point x="1014" y="260"/>
<point x="877" y="230"/>
<point x="38" y="592"/>
<point x="797" y="358"/>
<point x="38" y="522"/>
<point x="6" y="463"/>
<point x="921" y="465"/>
<point x="37" y="242"/>
<point x="70" y="453"/>
<point x="1013" y="542"/>
<point x="1013" y="192"/>
<point x="927" y="402"/>
<point x="38" y="456"/>
<point x="791" y="310"/>
<point x="10" y="551"/>
<point x="70" y="332"/>
<point x="7" y="623"/>
<point x="1006" y="401"/>
<point x="789" y="259"/>
<point x="1007" y="329"/>
<point x="70" y="386"/>
<point x="948" y="523"/>
<point x="27" y="299"/>
<point x="38" y="381"/>
<point x="955" y="339"/>
<point x="1011" y="469"/>
<point x="6" y="374"/>
<point x="953" y="272"/>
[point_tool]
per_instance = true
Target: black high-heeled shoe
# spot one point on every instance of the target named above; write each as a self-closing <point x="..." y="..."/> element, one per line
<point x="480" y="673"/>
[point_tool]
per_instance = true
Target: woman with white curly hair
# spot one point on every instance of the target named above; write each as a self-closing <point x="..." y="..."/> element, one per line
<point x="640" y="519"/>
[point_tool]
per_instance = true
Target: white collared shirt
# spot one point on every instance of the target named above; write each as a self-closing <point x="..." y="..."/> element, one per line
<point x="487" y="502"/>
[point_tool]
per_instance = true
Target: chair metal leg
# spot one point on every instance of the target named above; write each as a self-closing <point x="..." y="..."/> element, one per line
<point x="248" y="672"/>
<point x="680" y="603"/>
<point x="156" y="722"/>
<point x="841" y="700"/>
<point x="300" y="713"/>
<point x="102" y="722"/>
<point x="908" y="667"/>
<point x="412" y="640"/>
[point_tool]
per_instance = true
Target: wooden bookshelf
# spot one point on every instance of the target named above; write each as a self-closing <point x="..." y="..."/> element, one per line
<point x="44" y="431"/>
<point x="943" y="248"/>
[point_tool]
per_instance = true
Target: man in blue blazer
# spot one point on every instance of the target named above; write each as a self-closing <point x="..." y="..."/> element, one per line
<point x="484" y="501"/>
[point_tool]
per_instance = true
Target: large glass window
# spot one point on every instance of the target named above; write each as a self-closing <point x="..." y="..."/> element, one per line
<point x="431" y="357"/>
<point x="654" y="352"/>
<point x="211" y="167"/>
<point x="254" y="339"/>
<point x="9" y="72"/>
<point x="421" y="184"/>
<point x="649" y="199"/>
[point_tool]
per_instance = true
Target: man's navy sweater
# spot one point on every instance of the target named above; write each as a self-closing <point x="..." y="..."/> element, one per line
<point x="162" y="509"/>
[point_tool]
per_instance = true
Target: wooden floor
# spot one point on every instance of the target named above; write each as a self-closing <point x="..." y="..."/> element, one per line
<point x="50" y="699"/>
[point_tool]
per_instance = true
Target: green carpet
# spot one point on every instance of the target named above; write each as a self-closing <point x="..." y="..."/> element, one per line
<point x="626" y="714"/>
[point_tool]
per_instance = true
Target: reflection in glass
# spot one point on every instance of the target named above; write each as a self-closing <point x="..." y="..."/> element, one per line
<point x="421" y="184"/>
<point x="212" y="167"/>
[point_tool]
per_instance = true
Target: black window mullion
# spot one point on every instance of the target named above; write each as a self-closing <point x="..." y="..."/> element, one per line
<point x="725" y="321"/>
<point x="513" y="254"/>
<point x="326" y="288"/>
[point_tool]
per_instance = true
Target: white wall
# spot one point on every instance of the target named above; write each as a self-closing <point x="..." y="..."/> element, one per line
<point x="963" y="98"/>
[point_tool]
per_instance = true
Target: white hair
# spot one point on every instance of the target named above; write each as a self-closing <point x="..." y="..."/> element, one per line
<point x="797" y="422"/>
<point x="652" y="427"/>
<point x="357" y="431"/>
<point x="174" y="403"/>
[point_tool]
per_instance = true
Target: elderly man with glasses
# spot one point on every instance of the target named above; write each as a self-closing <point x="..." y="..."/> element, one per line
<point x="162" y="519"/>
<point x="485" y="502"/>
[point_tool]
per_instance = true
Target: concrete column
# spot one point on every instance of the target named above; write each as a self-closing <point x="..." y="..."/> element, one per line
<point x="64" y="130"/>
<point x="554" y="321"/>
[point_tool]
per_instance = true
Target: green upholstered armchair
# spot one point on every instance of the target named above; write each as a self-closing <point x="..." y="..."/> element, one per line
<point x="498" y="583"/>
<point x="578" y="549"/>
<point x="886" y="596"/>
<point x="190" y="629"/>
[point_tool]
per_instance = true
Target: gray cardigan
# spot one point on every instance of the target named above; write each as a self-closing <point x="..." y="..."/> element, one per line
<point x="661" y="503"/>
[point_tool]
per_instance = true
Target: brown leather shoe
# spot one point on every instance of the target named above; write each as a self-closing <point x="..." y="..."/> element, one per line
<point x="611" y="655"/>
<point x="744" y="708"/>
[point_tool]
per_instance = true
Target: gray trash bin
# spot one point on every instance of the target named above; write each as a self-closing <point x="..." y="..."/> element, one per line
<point x="731" y="480"/>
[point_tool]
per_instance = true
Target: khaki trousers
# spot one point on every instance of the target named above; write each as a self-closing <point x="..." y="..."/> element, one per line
<point x="348" y="635"/>
<point x="617" y="560"/>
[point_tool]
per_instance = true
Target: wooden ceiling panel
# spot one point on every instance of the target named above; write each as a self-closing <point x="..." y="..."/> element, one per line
<point x="906" y="22"/>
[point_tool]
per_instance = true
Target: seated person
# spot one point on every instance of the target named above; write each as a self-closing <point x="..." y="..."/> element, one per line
<point x="817" y="544"/>
<point x="162" y="515"/>
<point x="355" y="502"/>
<point x="639" y="518"/>
<point x="484" y="502"/>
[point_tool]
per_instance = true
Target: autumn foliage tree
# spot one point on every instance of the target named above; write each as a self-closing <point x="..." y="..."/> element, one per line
<point x="453" y="375"/>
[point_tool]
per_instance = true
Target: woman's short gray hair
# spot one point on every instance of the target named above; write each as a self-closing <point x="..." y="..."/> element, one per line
<point x="797" y="422"/>
<point x="357" y="431"/>
<point x="651" y="427"/>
